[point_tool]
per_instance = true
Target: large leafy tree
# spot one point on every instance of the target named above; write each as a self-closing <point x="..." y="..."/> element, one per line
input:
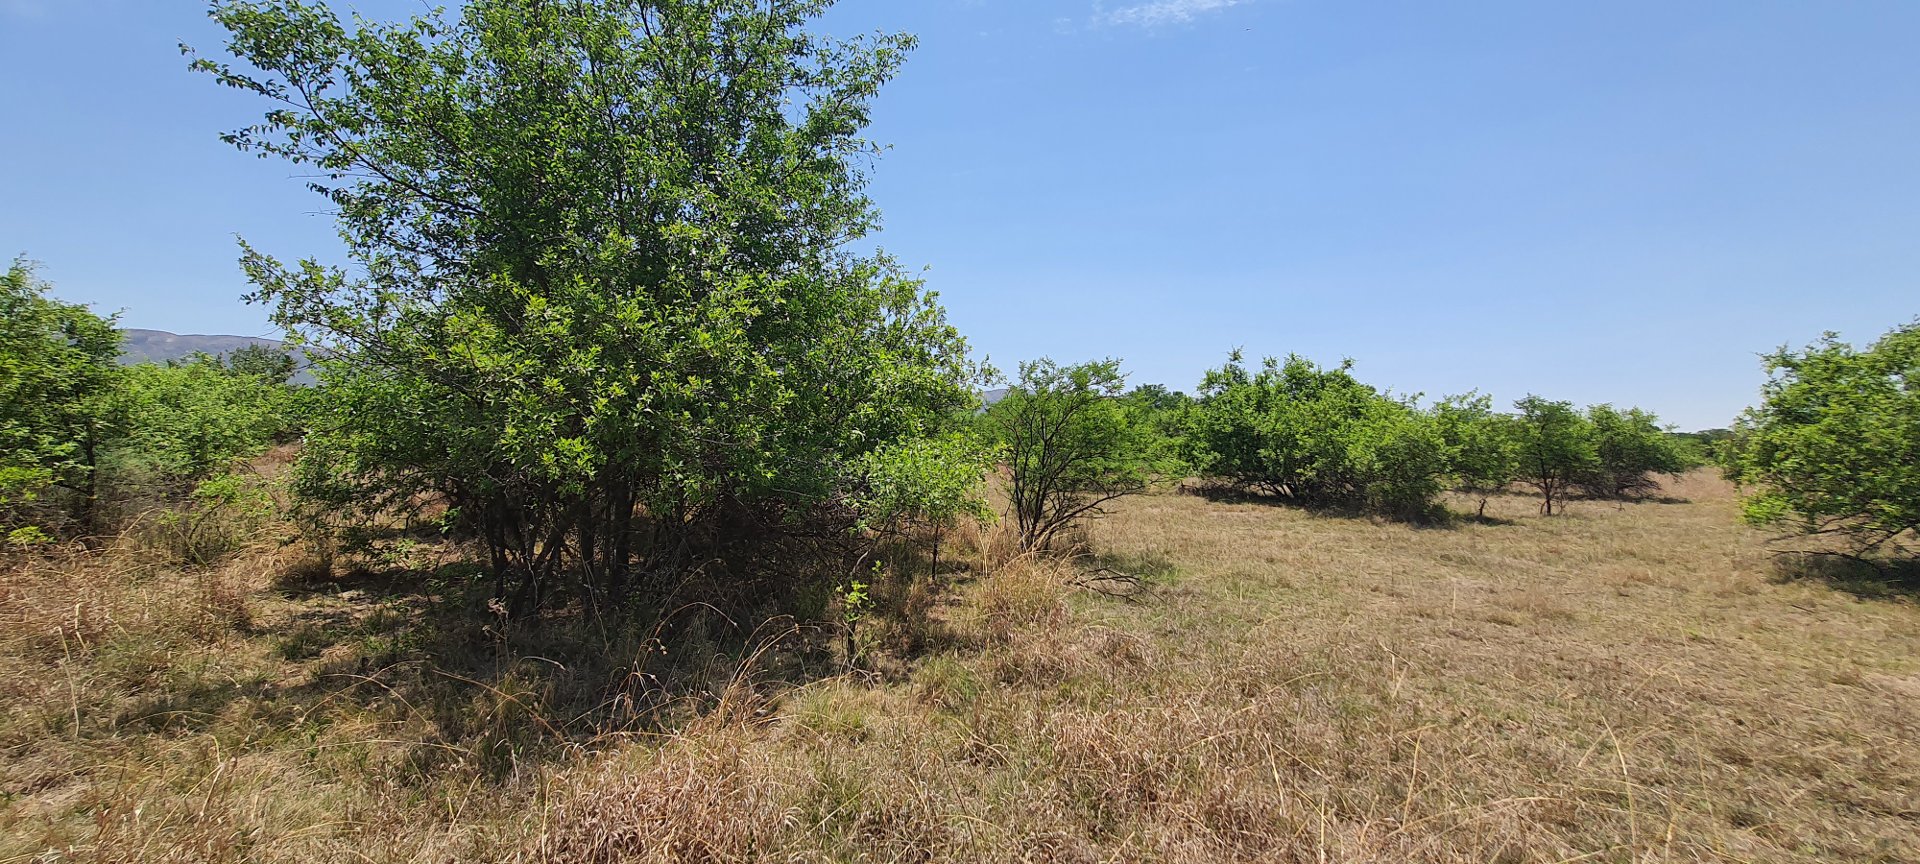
<point x="1834" y="447"/>
<point x="58" y="377"/>
<point x="602" y="292"/>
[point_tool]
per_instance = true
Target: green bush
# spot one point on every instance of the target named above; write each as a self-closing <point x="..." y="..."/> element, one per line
<point x="923" y="483"/>
<point x="58" y="386"/>
<point x="1555" y="448"/>
<point x="1318" y="436"/>
<point x="1629" y="448"/>
<point x="1165" y="411"/>
<point x="194" y="419"/>
<point x="1073" y="445"/>
<point x="1834" y="447"/>
<point x="1482" y="447"/>
<point x="222" y="516"/>
<point x="607" y="303"/>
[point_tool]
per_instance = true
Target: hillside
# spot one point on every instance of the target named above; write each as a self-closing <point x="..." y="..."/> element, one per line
<point x="159" y="346"/>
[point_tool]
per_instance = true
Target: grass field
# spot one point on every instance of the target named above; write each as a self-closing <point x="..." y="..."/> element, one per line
<point x="1638" y="682"/>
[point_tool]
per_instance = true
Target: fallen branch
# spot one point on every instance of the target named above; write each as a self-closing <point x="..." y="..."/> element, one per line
<point x="1112" y="583"/>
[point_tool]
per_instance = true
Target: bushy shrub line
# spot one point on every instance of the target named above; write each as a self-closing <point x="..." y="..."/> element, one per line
<point x="1317" y="436"/>
<point x="86" y="444"/>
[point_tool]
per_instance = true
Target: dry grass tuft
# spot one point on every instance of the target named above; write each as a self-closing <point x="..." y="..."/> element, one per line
<point x="1026" y="593"/>
<point x="695" y="800"/>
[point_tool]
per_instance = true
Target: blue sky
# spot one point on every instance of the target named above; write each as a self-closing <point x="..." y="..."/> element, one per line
<point x="1606" y="201"/>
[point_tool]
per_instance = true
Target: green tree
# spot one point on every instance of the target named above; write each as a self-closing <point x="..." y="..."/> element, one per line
<point x="1073" y="446"/>
<point x="1630" y="447"/>
<point x="1482" y="447"/>
<point x="190" y="420"/>
<point x="270" y="365"/>
<point x="1318" y="436"/>
<point x="58" y="377"/>
<point x="1834" y="446"/>
<point x="1164" y="410"/>
<point x="1555" y="448"/>
<point x="605" y="296"/>
<point x="928" y="483"/>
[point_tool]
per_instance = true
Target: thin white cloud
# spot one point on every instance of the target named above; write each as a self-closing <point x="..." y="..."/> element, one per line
<point x="1162" y="12"/>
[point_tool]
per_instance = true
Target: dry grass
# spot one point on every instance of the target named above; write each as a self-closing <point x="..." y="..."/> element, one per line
<point x="1622" y="683"/>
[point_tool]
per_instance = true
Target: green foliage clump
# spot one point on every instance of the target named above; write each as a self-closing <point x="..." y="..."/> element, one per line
<point x="1834" y="447"/>
<point x="606" y="304"/>
<point x="1482" y="446"/>
<point x="1555" y="448"/>
<point x="1164" y="410"/>
<point x="1629" y="448"/>
<point x="1073" y="445"/>
<point x="1604" y="452"/>
<point x="190" y="420"/>
<point x="221" y="515"/>
<point x="1318" y="436"/>
<point x="932" y="480"/>
<point x="268" y="365"/>
<point x="79" y="432"/>
<point x="929" y="483"/>
<point x="58" y="383"/>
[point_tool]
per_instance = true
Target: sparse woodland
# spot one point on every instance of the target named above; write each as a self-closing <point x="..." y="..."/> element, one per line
<point x="638" y="515"/>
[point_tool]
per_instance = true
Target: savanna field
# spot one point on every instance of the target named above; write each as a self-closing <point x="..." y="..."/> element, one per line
<point x="1620" y="682"/>
<point x="600" y="490"/>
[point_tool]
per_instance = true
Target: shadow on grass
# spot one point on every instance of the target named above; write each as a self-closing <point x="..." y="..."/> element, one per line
<point x="1870" y="579"/>
<point x="1664" y="499"/>
<point x="425" y="652"/>
<point x="1151" y="568"/>
<point x="1624" y="500"/>
<point x="1437" y="517"/>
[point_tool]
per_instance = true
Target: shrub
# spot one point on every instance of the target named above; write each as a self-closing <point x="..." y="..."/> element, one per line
<point x="1165" y="410"/>
<point x="1834" y="447"/>
<point x="194" y="419"/>
<point x="222" y="515"/>
<point x="924" y="483"/>
<point x="1555" y="447"/>
<point x="1482" y="447"/>
<point x="1072" y="446"/>
<point x="1629" y="448"/>
<point x="58" y="379"/>
<point x="1315" y="435"/>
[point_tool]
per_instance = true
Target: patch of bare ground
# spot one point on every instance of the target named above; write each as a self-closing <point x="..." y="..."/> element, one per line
<point x="1621" y="683"/>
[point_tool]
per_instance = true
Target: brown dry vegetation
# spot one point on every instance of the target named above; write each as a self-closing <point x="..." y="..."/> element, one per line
<point x="1623" y="683"/>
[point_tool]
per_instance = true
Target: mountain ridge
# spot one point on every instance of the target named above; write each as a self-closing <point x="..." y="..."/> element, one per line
<point x="159" y="346"/>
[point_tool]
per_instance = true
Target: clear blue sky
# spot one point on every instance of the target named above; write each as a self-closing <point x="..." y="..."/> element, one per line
<point x="1603" y="201"/>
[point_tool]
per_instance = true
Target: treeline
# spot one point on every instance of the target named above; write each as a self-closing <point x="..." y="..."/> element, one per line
<point x="1316" y="436"/>
<point x="87" y="446"/>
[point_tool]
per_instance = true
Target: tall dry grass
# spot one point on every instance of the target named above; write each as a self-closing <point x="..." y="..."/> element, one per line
<point x="1623" y="683"/>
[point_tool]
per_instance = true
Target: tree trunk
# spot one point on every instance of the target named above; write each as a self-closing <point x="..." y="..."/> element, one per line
<point x="935" y="568"/>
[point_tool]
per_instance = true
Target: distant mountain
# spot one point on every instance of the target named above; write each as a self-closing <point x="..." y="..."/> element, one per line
<point x="159" y="346"/>
<point x="992" y="396"/>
